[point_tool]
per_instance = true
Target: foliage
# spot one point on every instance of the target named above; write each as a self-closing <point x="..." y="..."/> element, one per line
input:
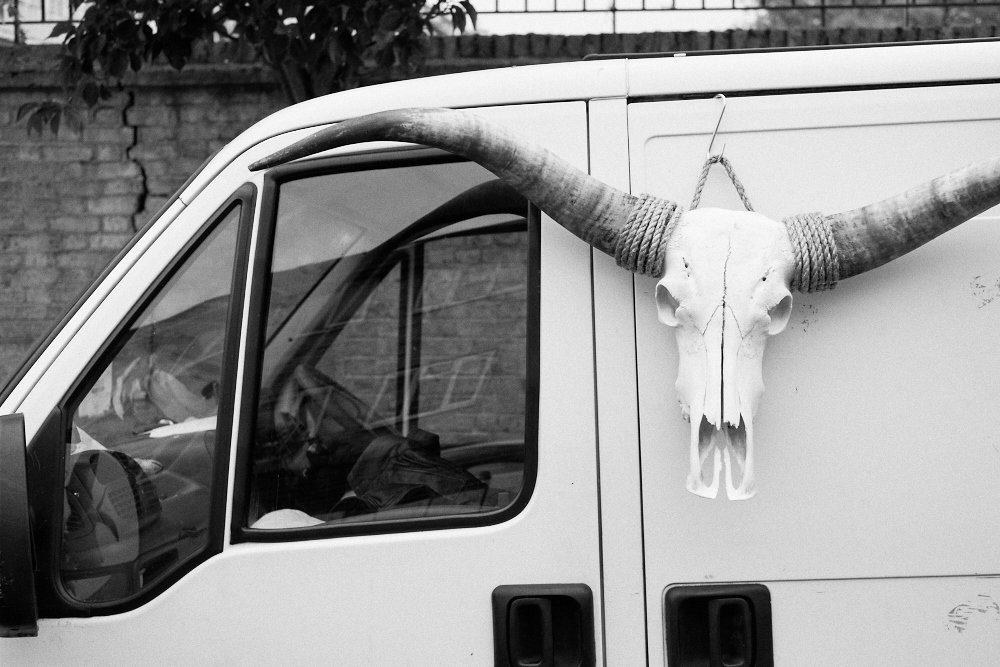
<point x="314" y="46"/>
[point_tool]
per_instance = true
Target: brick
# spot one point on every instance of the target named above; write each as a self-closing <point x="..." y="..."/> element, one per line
<point x="154" y="150"/>
<point x="128" y="186"/>
<point x="116" y="170"/>
<point x="151" y="115"/>
<point x="109" y="135"/>
<point x="112" y="205"/>
<point x="106" y="117"/>
<point x="75" y="224"/>
<point x="108" y="241"/>
<point x="74" y="242"/>
<point x="538" y="45"/>
<point x="68" y="153"/>
<point x="121" y="224"/>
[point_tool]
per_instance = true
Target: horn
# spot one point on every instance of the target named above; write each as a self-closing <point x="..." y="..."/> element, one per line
<point x="870" y="236"/>
<point x="590" y="209"/>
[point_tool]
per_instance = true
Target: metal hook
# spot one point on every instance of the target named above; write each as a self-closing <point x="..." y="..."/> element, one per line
<point x="722" y="113"/>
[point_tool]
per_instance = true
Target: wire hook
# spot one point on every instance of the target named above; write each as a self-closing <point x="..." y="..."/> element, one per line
<point x="722" y="113"/>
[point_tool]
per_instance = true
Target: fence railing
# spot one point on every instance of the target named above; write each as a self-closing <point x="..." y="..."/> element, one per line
<point x="32" y="20"/>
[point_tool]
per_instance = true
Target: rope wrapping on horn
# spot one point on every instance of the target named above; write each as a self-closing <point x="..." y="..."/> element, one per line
<point x="641" y="245"/>
<point x="817" y="263"/>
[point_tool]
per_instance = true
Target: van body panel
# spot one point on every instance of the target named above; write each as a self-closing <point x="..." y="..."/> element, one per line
<point x="920" y="620"/>
<point x="617" y="409"/>
<point x="917" y="64"/>
<point x="429" y="591"/>
<point x="874" y="437"/>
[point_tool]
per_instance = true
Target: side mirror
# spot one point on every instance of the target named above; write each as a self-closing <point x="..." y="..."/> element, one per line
<point x="18" y="604"/>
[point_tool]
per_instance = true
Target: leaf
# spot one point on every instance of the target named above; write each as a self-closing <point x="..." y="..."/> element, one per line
<point x="471" y="11"/>
<point x="118" y="63"/>
<point x="458" y="18"/>
<point x="35" y="124"/>
<point x="391" y="20"/>
<point x="62" y="28"/>
<point x="90" y="93"/>
<point x="26" y="109"/>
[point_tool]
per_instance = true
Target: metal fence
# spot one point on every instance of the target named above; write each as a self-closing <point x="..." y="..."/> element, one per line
<point x="32" y="20"/>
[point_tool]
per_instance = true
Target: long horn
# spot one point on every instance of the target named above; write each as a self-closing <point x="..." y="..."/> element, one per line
<point x="590" y="209"/>
<point x="870" y="236"/>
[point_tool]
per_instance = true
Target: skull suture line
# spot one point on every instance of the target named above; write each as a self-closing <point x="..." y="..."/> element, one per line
<point x="725" y="277"/>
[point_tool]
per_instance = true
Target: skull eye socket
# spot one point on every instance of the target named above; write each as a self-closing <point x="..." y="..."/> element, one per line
<point x="666" y="306"/>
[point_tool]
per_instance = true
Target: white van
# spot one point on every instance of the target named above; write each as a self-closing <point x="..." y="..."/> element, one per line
<point x="361" y="409"/>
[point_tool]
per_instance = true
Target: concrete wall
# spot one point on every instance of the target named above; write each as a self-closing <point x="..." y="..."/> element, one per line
<point x="70" y="202"/>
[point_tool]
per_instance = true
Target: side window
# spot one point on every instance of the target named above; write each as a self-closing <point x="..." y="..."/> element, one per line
<point x="140" y="463"/>
<point x="394" y="381"/>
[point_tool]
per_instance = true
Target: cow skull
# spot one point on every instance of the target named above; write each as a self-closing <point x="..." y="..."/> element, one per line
<point x="725" y="291"/>
<point x="725" y="276"/>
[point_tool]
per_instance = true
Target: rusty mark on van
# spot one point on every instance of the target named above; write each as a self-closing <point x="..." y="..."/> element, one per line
<point x="809" y="315"/>
<point x="982" y="607"/>
<point x="985" y="289"/>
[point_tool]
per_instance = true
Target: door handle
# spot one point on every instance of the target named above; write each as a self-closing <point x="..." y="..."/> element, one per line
<point x="730" y="633"/>
<point x="723" y="625"/>
<point x="530" y="623"/>
<point x="543" y="626"/>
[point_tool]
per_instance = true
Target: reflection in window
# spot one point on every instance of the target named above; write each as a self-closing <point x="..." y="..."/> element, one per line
<point x="394" y="372"/>
<point x="140" y="461"/>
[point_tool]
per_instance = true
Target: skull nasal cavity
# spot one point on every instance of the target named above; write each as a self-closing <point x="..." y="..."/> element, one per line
<point x="666" y="306"/>
<point x="779" y="315"/>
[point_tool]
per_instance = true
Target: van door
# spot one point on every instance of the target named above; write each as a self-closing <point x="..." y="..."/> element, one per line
<point x="873" y="531"/>
<point x="362" y="434"/>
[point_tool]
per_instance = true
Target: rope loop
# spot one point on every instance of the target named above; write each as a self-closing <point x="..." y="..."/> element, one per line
<point x="817" y="262"/>
<point x="703" y="178"/>
<point x="642" y="243"/>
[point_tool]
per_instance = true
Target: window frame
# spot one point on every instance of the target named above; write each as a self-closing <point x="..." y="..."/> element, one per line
<point x="255" y="347"/>
<point x="47" y="450"/>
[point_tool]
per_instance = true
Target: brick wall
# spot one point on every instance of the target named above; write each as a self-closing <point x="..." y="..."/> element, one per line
<point x="69" y="203"/>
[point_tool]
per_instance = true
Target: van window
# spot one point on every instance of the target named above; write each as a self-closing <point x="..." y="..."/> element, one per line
<point x="139" y="464"/>
<point x="394" y="372"/>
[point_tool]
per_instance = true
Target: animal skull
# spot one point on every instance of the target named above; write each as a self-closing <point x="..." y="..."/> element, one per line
<point x="725" y="291"/>
<point x="727" y="277"/>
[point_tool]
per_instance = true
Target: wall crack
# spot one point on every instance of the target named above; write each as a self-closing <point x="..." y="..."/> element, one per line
<point x="140" y="204"/>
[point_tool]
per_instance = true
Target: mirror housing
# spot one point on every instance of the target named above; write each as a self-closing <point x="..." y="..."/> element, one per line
<point x="18" y="602"/>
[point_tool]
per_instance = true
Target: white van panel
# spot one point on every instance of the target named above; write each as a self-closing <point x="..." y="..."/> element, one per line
<point x="392" y="599"/>
<point x="814" y="68"/>
<point x="617" y="409"/>
<point x="926" y="621"/>
<point x="876" y="441"/>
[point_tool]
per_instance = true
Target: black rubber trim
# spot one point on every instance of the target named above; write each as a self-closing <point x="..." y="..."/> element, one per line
<point x="259" y="292"/>
<point x="18" y="606"/>
<point x="47" y="450"/>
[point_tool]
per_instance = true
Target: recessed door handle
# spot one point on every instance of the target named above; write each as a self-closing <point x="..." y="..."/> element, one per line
<point x="730" y="632"/>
